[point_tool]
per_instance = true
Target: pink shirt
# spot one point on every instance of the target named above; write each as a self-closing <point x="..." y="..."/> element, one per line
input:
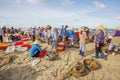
<point x="82" y="38"/>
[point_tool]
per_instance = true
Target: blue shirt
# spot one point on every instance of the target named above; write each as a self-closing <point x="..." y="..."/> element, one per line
<point x="72" y="33"/>
<point x="63" y="31"/>
<point x="67" y="33"/>
<point x="34" y="32"/>
<point x="35" y="49"/>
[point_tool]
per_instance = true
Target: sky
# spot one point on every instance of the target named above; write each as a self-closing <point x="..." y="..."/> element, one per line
<point x="76" y="13"/>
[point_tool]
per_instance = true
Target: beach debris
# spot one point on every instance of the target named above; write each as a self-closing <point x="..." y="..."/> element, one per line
<point x="75" y="69"/>
<point x="21" y="48"/>
<point x="63" y="76"/>
<point x="35" y="62"/>
<point x="10" y="49"/>
<point x="4" y="61"/>
<point x="68" y="58"/>
<point x="55" y="73"/>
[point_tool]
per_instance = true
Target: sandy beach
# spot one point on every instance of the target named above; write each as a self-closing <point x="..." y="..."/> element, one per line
<point x="19" y="66"/>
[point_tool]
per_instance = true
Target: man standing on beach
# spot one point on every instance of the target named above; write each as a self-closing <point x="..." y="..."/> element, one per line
<point x="33" y="33"/>
<point x="99" y="41"/>
<point x="63" y="32"/>
<point x="1" y="35"/>
<point x="54" y="40"/>
<point x="82" y="37"/>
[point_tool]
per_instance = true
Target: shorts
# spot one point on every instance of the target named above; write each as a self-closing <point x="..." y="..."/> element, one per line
<point x="36" y="55"/>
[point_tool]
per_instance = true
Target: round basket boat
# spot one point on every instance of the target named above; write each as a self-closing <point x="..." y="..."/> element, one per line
<point x="78" y="70"/>
<point x="91" y="64"/>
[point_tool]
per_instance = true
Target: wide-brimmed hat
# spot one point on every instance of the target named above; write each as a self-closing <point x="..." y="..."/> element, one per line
<point x="71" y="28"/>
<point x="110" y="36"/>
<point x="33" y="27"/>
<point x="100" y="27"/>
<point x="118" y="28"/>
<point x="36" y="42"/>
<point x="82" y="28"/>
<point x="48" y="27"/>
<point x="67" y="28"/>
<point x="75" y="30"/>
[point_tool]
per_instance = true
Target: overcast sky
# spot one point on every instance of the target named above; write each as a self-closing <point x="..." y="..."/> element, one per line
<point x="75" y="13"/>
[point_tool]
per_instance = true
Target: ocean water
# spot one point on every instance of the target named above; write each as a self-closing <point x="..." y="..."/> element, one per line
<point x="109" y="32"/>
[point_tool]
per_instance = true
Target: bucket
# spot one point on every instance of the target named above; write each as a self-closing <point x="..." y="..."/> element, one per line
<point x="43" y="53"/>
<point x="51" y="56"/>
<point x="61" y="46"/>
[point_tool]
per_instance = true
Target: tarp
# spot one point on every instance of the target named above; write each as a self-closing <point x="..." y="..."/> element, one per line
<point x="117" y="32"/>
<point x="23" y="44"/>
<point x="3" y="45"/>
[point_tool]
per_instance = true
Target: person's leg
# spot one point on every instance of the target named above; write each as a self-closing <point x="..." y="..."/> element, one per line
<point x="110" y="47"/>
<point x="32" y="38"/>
<point x="55" y="46"/>
<point x="97" y="51"/>
<point x="80" y="48"/>
<point x="83" y="49"/>
<point x="116" y="49"/>
<point x="52" y="44"/>
<point x="72" y="40"/>
<point x="0" y="38"/>
<point x="37" y="56"/>
<point x="100" y="50"/>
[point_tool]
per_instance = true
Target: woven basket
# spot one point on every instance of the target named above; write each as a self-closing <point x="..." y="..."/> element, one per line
<point x="52" y="58"/>
<point x="78" y="70"/>
<point x="91" y="64"/>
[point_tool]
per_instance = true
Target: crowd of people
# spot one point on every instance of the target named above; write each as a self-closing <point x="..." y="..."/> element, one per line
<point x="51" y="35"/>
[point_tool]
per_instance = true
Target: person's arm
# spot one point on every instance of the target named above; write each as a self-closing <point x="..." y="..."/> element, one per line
<point x="39" y="48"/>
<point x="85" y="35"/>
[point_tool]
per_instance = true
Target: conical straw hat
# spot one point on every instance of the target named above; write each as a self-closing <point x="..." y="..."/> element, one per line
<point x="36" y="42"/>
<point x="75" y="30"/>
<point x="110" y="36"/>
<point x="100" y="27"/>
<point x="118" y="28"/>
<point x="33" y="27"/>
<point x="71" y="28"/>
<point x="82" y="28"/>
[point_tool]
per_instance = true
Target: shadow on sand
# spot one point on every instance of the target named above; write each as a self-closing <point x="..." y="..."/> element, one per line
<point x="18" y="73"/>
